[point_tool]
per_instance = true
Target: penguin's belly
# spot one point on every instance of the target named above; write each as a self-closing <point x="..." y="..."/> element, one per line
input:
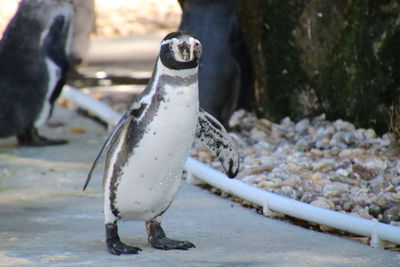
<point x="151" y="176"/>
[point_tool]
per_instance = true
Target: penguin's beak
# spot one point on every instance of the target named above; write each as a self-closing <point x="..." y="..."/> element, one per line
<point x="184" y="50"/>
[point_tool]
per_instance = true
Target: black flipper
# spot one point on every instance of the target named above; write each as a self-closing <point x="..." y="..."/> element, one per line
<point x="135" y="111"/>
<point x="212" y="134"/>
<point x="158" y="239"/>
<point x="55" y="48"/>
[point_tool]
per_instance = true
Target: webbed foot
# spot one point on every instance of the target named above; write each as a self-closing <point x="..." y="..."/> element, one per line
<point x="31" y="137"/>
<point x="114" y="244"/>
<point x="157" y="238"/>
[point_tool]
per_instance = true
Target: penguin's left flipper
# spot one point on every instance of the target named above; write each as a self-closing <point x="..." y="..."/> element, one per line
<point x="212" y="134"/>
<point x="134" y="111"/>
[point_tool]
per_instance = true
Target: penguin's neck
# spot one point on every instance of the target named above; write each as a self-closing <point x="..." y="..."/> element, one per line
<point x="180" y="74"/>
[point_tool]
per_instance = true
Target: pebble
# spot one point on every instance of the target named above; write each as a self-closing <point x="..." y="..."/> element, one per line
<point x="331" y="165"/>
<point x="323" y="203"/>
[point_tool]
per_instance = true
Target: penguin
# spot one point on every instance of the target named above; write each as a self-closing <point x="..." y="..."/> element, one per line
<point x="147" y="149"/>
<point x="34" y="60"/>
<point x="225" y="71"/>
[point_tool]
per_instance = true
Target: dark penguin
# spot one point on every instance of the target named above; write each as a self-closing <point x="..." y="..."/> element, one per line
<point x="33" y="64"/>
<point x="149" y="146"/>
<point x="225" y="71"/>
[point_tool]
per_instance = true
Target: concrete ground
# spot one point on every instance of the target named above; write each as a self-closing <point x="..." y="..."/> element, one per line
<point x="45" y="218"/>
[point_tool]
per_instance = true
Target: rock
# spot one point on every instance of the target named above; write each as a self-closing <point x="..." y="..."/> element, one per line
<point x="308" y="197"/>
<point x="335" y="189"/>
<point x="317" y="178"/>
<point x="365" y="173"/>
<point x="349" y="138"/>
<point x="347" y="206"/>
<point x="342" y="172"/>
<point x="392" y="214"/>
<point x="396" y="180"/>
<point x="375" y="163"/>
<point x="341" y="125"/>
<point x="316" y="153"/>
<point x="286" y="123"/>
<point x="323" y="133"/>
<point x="302" y="126"/>
<point x="352" y="153"/>
<point x="374" y="210"/>
<point x="369" y="134"/>
<point x="322" y="166"/>
<point x="236" y="117"/>
<point x="303" y="145"/>
<point x="293" y="181"/>
<point x="257" y="134"/>
<point x="323" y="203"/>
<point x="382" y="202"/>
<point x="363" y="213"/>
<point x="378" y="183"/>
<point x="319" y="120"/>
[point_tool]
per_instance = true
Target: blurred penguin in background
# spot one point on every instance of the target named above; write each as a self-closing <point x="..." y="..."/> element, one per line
<point x="225" y="72"/>
<point x="83" y="25"/>
<point x="34" y="60"/>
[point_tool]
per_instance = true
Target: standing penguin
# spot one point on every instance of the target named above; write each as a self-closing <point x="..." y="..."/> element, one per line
<point x="33" y="66"/>
<point x="149" y="146"/>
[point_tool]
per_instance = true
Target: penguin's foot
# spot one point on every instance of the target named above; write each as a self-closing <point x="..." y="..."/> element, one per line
<point x="116" y="247"/>
<point x="31" y="137"/>
<point x="114" y="244"/>
<point x="157" y="238"/>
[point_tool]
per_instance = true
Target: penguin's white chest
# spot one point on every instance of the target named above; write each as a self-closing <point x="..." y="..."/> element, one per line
<point x="53" y="75"/>
<point x="152" y="174"/>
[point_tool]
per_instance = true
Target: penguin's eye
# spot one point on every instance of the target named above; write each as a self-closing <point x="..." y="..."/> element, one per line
<point x="170" y="46"/>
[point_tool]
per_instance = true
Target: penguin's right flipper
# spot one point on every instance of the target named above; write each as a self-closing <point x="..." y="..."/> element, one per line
<point x="136" y="109"/>
<point x="211" y="133"/>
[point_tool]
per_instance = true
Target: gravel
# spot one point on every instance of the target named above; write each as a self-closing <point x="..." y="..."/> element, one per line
<point x="328" y="164"/>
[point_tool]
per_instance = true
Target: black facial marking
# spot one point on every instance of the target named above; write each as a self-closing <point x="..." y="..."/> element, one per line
<point x="167" y="54"/>
<point x="168" y="60"/>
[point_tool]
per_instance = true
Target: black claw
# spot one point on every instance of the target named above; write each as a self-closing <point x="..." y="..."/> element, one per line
<point x="114" y="244"/>
<point x="31" y="137"/>
<point x="116" y="247"/>
<point x="157" y="238"/>
<point x="166" y="244"/>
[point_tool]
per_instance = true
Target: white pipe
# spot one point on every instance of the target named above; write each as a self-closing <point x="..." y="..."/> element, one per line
<point x="104" y="112"/>
<point x="293" y="207"/>
<point x="269" y="201"/>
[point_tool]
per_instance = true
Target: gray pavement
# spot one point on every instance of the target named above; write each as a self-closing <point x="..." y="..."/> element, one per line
<point x="45" y="218"/>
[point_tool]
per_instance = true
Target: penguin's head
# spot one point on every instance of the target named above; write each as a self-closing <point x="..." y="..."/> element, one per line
<point x="180" y="50"/>
<point x="39" y="26"/>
